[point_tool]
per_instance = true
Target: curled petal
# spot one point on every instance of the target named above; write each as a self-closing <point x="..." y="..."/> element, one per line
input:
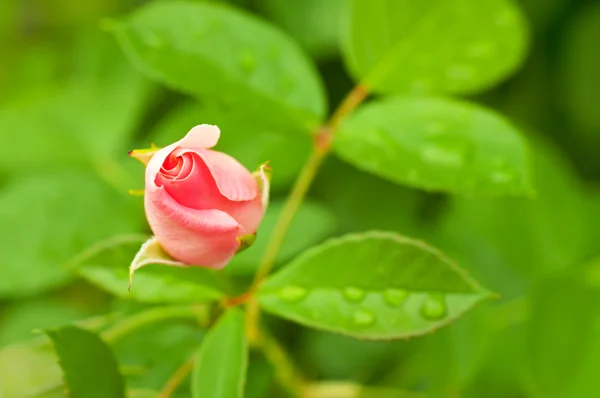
<point x="201" y="137"/>
<point x="233" y="180"/>
<point x="196" y="237"/>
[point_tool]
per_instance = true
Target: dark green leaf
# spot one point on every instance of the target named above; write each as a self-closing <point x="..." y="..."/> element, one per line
<point x="437" y="144"/>
<point x="251" y="66"/>
<point x="451" y="46"/>
<point x="376" y="285"/>
<point x="154" y="283"/>
<point x="220" y="368"/>
<point x="579" y="66"/>
<point x="171" y="342"/>
<point x="89" y="367"/>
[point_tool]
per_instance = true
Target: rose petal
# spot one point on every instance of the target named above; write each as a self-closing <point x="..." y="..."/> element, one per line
<point x="199" y="191"/>
<point x="233" y="180"/>
<point x="196" y="237"/>
<point x="201" y="137"/>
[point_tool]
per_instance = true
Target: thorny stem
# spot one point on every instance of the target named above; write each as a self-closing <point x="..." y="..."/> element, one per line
<point x="321" y="147"/>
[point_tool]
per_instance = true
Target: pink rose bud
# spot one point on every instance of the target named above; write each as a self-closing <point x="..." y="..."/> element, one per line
<point x="201" y="204"/>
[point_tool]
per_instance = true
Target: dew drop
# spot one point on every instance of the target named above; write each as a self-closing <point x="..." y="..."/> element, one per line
<point x="395" y="297"/>
<point x="363" y="317"/>
<point x="354" y="294"/>
<point x="292" y="293"/>
<point x="434" y="307"/>
<point x="442" y="155"/>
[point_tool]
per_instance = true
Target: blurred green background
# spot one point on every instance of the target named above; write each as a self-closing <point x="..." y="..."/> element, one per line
<point x="71" y="106"/>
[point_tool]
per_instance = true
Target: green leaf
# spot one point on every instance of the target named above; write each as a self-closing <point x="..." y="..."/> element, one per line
<point x="437" y="144"/>
<point x="48" y="218"/>
<point x="107" y="99"/>
<point x="449" y="46"/>
<point x="313" y="23"/>
<point x="252" y="66"/>
<point x="220" y="367"/>
<point x="89" y="367"/>
<point x="560" y="334"/>
<point x="507" y="243"/>
<point x="20" y="318"/>
<point x="41" y="370"/>
<point x="171" y="343"/>
<point x="155" y="283"/>
<point x="579" y="64"/>
<point x="375" y="285"/>
<point x="248" y="140"/>
<point x="312" y="223"/>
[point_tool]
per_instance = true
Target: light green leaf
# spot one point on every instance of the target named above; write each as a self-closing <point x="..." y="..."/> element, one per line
<point x="42" y="371"/>
<point x="83" y="123"/>
<point x="449" y="46"/>
<point x="20" y="318"/>
<point x="375" y="285"/>
<point x="313" y="223"/>
<point x="49" y="218"/>
<point x="89" y="367"/>
<point x="248" y="140"/>
<point x="252" y="66"/>
<point x="220" y="367"/>
<point x="437" y="144"/>
<point x="155" y="283"/>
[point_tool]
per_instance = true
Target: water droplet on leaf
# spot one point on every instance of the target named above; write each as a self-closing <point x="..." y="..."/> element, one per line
<point x="292" y="293"/>
<point x="442" y="155"/>
<point x="395" y="297"/>
<point x="363" y="317"/>
<point x="434" y="307"/>
<point x="354" y="294"/>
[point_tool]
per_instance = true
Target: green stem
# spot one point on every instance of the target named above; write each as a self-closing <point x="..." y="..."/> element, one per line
<point x="154" y="315"/>
<point x="321" y="147"/>
<point x="287" y="215"/>
<point x="178" y="377"/>
<point x="285" y="371"/>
